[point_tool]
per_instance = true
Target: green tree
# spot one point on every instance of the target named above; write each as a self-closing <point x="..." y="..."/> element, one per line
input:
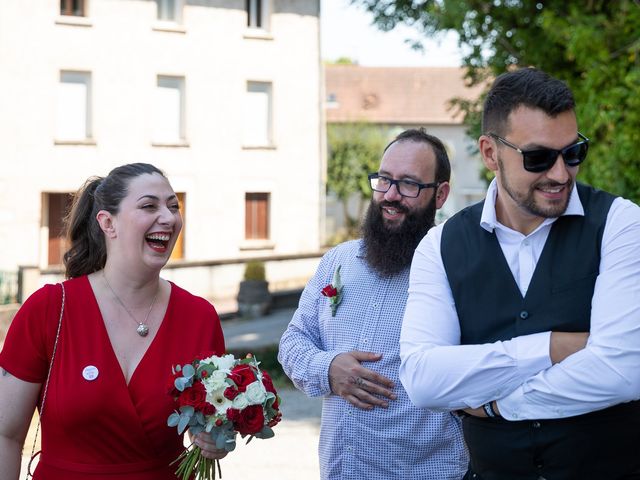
<point x="355" y="150"/>
<point x="593" y="45"/>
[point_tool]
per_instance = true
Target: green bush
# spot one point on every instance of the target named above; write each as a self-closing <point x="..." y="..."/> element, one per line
<point x="254" y="270"/>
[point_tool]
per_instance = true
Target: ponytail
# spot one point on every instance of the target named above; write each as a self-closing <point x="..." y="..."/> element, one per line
<point x="88" y="252"/>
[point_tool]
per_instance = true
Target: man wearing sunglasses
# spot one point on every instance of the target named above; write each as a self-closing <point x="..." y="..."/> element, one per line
<point x="346" y="349"/>
<point x="524" y="310"/>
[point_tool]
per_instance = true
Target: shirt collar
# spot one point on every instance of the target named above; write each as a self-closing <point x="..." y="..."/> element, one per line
<point x="489" y="222"/>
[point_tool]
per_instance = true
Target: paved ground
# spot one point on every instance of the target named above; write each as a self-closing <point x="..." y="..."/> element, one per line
<point x="245" y="334"/>
<point x="292" y="453"/>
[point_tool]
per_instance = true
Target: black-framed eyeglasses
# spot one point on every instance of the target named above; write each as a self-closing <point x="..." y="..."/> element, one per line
<point x="406" y="188"/>
<point x="542" y="159"/>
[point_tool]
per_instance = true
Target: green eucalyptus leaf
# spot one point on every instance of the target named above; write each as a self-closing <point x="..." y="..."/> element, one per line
<point x="188" y="371"/>
<point x="199" y="416"/>
<point x="265" y="433"/>
<point x="173" y="419"/>
<point x="230" y="446"/>
<point x="187" y="410"/>
<point x="181" y="383"/>
<point x="183" y="423"/>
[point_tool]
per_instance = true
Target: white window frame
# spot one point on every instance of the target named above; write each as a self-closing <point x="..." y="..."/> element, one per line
<point x="251" y="118"/>
<point x="79" y="129"/>
<point x="160" y="120"/>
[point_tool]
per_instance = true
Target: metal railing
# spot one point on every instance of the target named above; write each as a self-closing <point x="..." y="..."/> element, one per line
<point x="8" y="287"/>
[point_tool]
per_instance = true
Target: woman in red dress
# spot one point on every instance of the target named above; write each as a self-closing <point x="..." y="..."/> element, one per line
<point x="123" y="327"/>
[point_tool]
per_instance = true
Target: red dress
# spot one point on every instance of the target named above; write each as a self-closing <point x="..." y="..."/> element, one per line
<point x="102" y="428"/>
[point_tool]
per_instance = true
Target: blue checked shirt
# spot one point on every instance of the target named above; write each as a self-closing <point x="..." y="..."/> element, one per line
<point x="400" y="442"/>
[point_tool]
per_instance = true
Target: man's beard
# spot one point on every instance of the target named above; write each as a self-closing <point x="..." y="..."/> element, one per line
<point x="390" y="250"/>
<point x="528" y="201"/>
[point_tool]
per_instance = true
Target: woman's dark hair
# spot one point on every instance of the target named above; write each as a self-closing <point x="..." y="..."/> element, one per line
<point x="88" y="251"/>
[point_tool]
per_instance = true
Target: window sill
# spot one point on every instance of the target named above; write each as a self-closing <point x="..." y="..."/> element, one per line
<point x="257" y="34"/>
<point x="259" y="147"/>
<point x="87" y="142"/>
<point x="170" y="144"/>
<point x="75" y="21"/>
<point x="256" y="244"/>
<point x="171" y="27"/>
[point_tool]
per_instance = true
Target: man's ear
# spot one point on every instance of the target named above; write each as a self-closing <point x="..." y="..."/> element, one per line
<point x="105" y="220"/>
<point x="489" y="151"/>
<point x="442" y="193"/>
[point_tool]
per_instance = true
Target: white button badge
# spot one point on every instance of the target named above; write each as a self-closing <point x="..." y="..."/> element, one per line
<point x="90" y="373"/>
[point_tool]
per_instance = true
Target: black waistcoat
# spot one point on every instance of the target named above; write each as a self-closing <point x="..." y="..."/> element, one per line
<point x="490" y="307"/>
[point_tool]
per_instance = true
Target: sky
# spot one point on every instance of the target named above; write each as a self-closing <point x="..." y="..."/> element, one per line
<point x="347" y="32"/>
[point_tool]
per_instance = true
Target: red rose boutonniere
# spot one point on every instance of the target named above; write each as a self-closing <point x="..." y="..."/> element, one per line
<point x="333" y="291"/>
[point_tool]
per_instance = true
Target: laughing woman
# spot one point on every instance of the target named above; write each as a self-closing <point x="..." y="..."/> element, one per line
<point x="114" y="329"/>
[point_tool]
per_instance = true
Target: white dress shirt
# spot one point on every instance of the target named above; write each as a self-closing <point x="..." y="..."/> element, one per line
<point x="438" y="372"/>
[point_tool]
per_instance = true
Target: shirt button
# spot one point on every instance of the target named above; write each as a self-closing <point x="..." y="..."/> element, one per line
<point x="349" y="448"/>
<point x="526" y="243"/>
<point x="365" y="340"/>
<point x="535" y="424"/>
<point x="524" y="315"/>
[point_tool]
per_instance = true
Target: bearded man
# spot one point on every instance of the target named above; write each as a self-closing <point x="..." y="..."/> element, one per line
<point x="342" y="342"/>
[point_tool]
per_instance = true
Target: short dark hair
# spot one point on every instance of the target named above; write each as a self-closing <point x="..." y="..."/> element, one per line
<point x="420" y="135"/>
<point x="527" y="87"/>
<point x="88" y="251"/>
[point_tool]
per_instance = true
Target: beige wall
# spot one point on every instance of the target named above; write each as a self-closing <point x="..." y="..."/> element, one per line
<point x="125" y="48"/>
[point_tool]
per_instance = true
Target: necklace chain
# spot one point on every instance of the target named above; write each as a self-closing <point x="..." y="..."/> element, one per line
<point x="143" y="327"/>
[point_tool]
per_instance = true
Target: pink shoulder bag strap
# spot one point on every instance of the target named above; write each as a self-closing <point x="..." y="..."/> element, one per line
<point x="34" y="454"/>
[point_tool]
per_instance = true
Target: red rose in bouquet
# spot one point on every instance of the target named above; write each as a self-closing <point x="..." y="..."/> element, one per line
<point x="196" y="396"/>
<point x="242" y="375"/>
<point x="268" y="386"/>
<point x="248" y="421"/>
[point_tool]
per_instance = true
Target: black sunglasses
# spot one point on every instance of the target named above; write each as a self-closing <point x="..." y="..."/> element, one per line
<point x="543" y="159"/>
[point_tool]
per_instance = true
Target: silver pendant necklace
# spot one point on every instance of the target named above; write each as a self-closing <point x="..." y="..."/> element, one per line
<point x="143" y="327"/>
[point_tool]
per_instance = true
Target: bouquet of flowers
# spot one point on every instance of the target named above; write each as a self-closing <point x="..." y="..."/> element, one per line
<point x="222" y="396"/>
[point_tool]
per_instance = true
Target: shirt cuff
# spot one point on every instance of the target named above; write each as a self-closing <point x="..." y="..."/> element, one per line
<point x="532" y="354"/>
<point x="319" y="370"/>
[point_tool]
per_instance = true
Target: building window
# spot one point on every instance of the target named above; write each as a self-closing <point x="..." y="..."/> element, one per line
<point x="170" y="10"/>
<point x="169" y="106"/>
<point x="74" y="8"/>
<point x="258" y="14"/>
<point x="57" y="206"/>
<point x="257" y="115"/>
<point x="256" y="216"/>
<point x="178" y="249"/>
<point x="73" y="112"/>
<point x="332" y="100"/>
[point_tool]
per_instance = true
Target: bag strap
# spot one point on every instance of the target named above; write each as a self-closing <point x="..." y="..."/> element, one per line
<point x="46" y="386"/>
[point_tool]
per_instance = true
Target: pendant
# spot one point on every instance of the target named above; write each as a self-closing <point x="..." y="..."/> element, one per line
<point x="143" y="330"/>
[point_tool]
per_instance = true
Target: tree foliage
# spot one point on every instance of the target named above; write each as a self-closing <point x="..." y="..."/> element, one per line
<point x="355" y="150"/>
<point x="593" y="45"/>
